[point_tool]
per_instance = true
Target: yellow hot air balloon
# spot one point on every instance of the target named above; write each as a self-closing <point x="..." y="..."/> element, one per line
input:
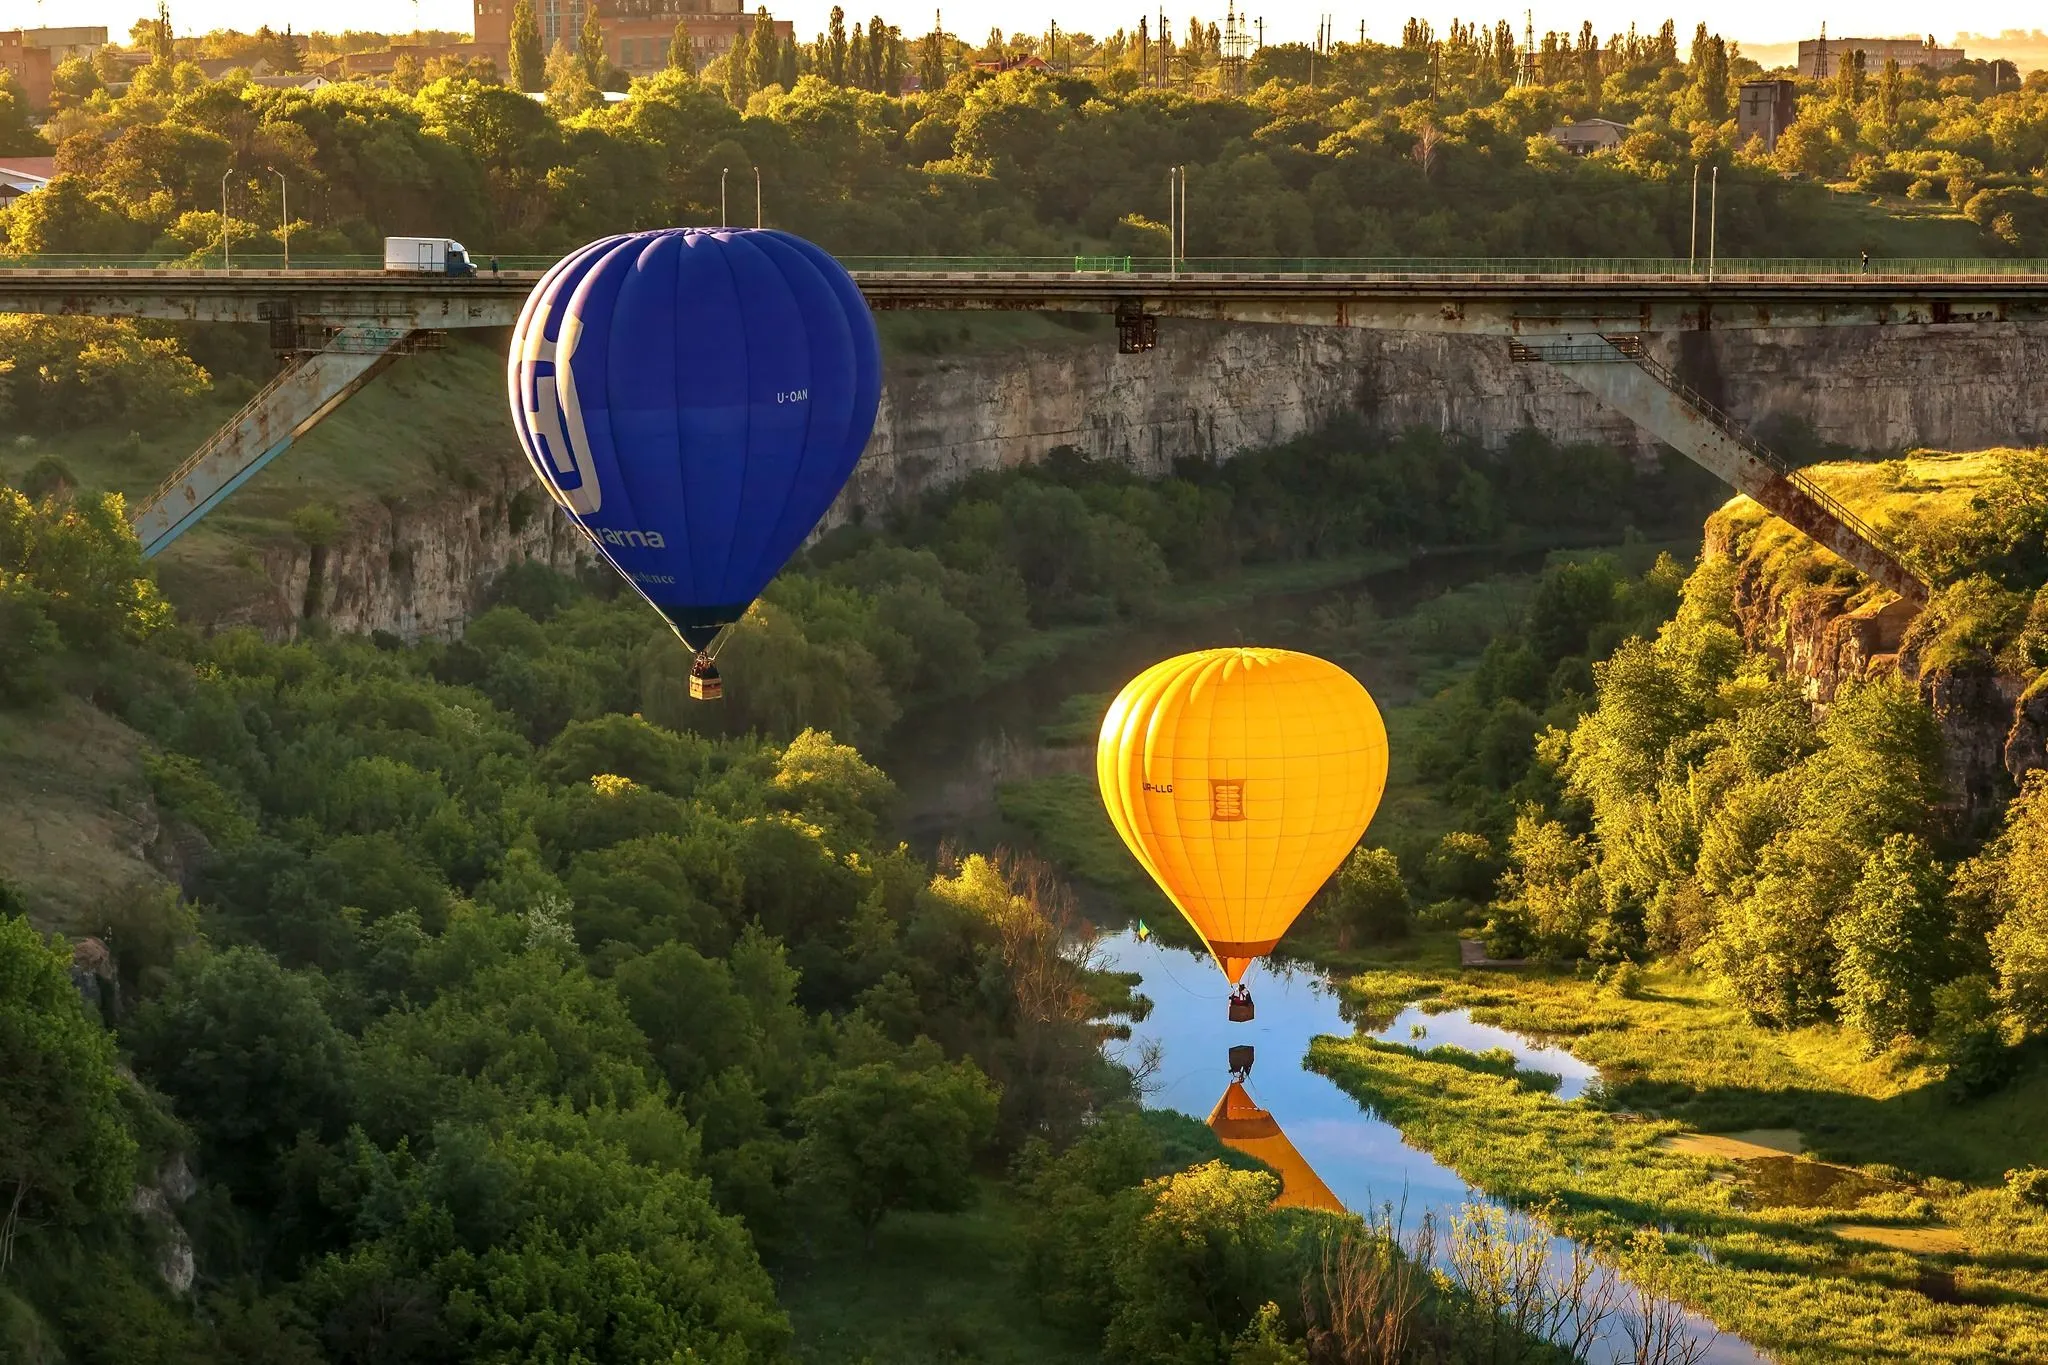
<point x="1240" y="779"/>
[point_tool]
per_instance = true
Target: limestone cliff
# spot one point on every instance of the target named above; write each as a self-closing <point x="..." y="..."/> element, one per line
<point x="1994" y="722"/>
<point x="1209" y="391"/>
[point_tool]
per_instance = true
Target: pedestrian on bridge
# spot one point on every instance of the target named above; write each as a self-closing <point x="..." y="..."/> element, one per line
<point x="1866" y="263"/>
<point x="494" y="266"/>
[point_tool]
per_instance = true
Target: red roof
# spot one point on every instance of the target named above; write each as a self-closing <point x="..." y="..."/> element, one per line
<point x="41" y="167"/>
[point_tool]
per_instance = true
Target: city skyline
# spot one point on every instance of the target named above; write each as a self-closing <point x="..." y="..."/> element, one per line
<point x="1751" y="24"/>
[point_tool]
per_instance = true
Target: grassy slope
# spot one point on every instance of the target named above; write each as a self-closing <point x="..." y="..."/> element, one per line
<point x="74" y="805"/>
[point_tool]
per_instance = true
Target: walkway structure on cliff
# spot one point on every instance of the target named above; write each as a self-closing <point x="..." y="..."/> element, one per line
<point x="1593" y="320"/>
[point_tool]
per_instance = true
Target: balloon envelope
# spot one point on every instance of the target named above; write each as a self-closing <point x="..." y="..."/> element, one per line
<point x="695" y="399"/>
<point x="1240" y="779"/>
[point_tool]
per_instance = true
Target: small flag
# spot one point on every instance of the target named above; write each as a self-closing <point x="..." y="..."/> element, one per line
<point x="1143" y="932"/>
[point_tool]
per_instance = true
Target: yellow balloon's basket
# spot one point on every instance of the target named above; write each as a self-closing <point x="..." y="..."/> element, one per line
<point x="1240" y="1011"/>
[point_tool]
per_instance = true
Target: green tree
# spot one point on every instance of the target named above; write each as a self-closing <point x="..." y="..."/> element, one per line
<point x="82" y="556"/>
<point x="562" y="1234"/>
<point x="249" y="1056"/>
<point x="529" y="71"/>
<point x="1371" y="900"/>
<point x="1890" y="93"/>
<point x="1893" y="941"/>
<point x="764" y="53"/>
<point x="1194" y="1267"/>
<point x="65" y="1152"/>
<point x="2019" y="868"/>
<point x="835" y="48"/>
<point x="590" y="49"/>
<point x="682" y="48"/>
<point x="857" y="59"/>
<point x="931" y="61"/>
<point x="74" y="82"/>
<point x="786" y="63"/>
<point x="883" y="1136"/>
<point x="569" y="86"/>
<point x="29" y="643"/>
<point x="162" y="53"/>
<point x="892" y="64"/>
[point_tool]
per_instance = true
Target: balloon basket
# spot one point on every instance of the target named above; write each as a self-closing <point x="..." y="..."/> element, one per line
<point x="705" y="684"/>
<point x="1240" y="1011"/>
<point x="1241" y="1060"/>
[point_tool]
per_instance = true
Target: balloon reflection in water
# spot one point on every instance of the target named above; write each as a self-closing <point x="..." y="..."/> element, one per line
<point x="1244" y="1127"/>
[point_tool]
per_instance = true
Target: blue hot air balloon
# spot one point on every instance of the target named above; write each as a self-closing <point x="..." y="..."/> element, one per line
<point x="694" y="399"/>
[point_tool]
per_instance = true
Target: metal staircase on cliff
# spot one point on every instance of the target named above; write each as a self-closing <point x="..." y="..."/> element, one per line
<point x="1620" y="371"/>
<point x="315" y="380"/>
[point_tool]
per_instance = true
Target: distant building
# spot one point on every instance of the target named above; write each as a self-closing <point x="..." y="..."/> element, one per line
<point x="383" y="61"/>
<point x="296" y="80"/>
<point x="213" y="68"/>
<point x="636" y="42"/>
<point x="1029" y="63"/>
<point x="29" y="64"/>
<point x="66" y="43"/>
<point x="1820" y="58"/>
<point x="1589" y="135"/>
<point x="1765" y="109"/>
<point x="21" y="175"/>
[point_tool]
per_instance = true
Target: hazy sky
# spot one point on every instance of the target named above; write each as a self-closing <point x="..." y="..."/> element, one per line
<point x="1753" y="20"/>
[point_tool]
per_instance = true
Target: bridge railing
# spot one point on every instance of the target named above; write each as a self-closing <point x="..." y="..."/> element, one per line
<point x="1504" y="268"/>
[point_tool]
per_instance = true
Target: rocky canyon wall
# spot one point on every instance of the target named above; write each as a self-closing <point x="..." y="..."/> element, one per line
<point x="1212" y="390"/>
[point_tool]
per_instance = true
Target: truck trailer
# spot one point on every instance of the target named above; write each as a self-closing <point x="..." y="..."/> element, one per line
<point x="426" y="256"/>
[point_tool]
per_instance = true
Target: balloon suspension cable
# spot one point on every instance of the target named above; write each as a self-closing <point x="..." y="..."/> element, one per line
<point x="1183" y="987"/>
<point x="711" y="650"/>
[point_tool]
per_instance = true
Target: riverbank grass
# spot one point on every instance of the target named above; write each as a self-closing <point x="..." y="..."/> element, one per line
<point x="1761" y="1266"/>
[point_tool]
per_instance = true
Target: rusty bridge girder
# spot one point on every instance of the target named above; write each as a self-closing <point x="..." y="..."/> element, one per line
<point x="310" y="386"/>
<point x="1620" y="372"/>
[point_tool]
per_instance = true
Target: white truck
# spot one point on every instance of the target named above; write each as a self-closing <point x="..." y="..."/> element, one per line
<point x="426" y="256"/>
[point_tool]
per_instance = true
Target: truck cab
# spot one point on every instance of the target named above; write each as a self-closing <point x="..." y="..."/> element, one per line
<point x="427" y="256"/>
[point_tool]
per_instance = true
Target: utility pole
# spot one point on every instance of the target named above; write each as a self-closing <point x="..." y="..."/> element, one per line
<point x="284" y="218"/>
<point x="724" y="218"/>
<point x="225" y="262"/>
<point x="757" y="198"/>
<point x="1261" y="22"/>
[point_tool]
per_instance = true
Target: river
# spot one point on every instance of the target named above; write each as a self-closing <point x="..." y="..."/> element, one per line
<point x="948" y="764"/>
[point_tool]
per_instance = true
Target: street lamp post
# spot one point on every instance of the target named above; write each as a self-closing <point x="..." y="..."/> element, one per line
<point x="723" y="218"/>
<point x="284" y="217"/>
<point x="225" y="262"/>
<point x="1692" y="252"/>
<point x="1172" y="219"/>
<point x="757" y="198"/>
<point x="1183" y="214"/>
<point x="1713" y="221"/>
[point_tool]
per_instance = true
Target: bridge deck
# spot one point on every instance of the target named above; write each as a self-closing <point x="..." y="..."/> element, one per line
<point x="1494" y="301"/>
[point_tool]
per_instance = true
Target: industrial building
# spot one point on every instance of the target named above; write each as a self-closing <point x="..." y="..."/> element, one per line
<point x="1822" y="57"/>
<point x="637" y="42"/>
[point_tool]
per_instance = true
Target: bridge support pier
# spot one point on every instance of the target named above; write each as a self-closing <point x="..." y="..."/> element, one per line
<point x="1620" y="372"/>
<point x="305" y="391"/>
